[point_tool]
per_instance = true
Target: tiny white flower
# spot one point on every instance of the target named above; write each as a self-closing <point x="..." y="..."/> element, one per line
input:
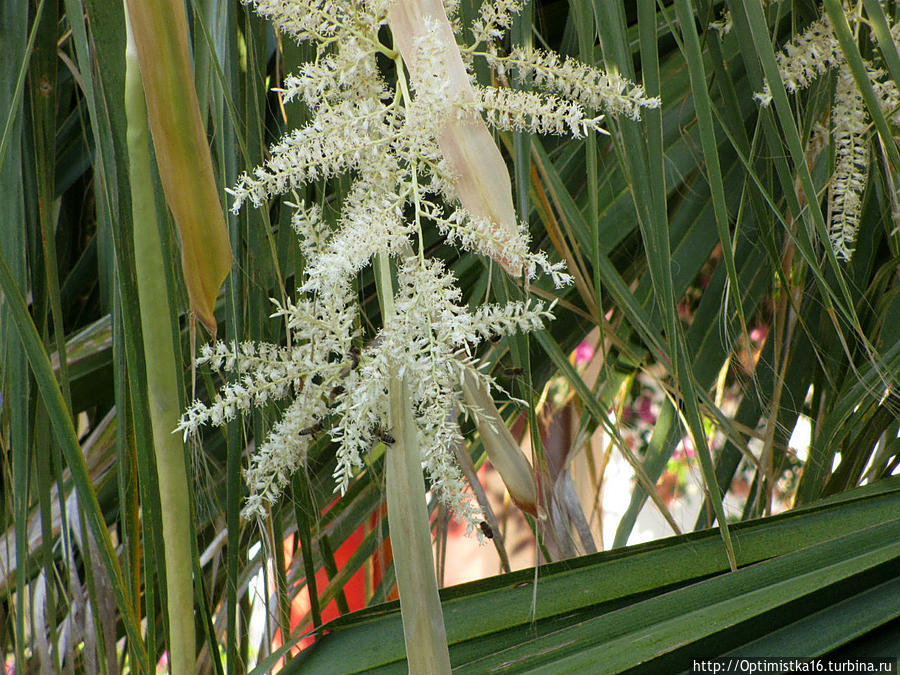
<point x="811" y="54"/>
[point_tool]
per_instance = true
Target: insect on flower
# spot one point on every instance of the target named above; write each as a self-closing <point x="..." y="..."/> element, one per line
<point x="314" y="429"/>
<point x="385" y="437"/>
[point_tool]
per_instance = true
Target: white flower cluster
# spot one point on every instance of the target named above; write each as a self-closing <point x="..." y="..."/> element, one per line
<point x="323" y="21"/>
<point x="851" y="165"/>
<point x="371" y="222"/>
<point x="594" y="88"/>
<point x="427" y="344"/>
<point x="481" y="236"/>
<point x="495" y="18"/>
<point x="340" y="138"/>
<point x="809" y="55"/>
<point x="351" y="72"/>
<point x="321" y="352"/>
<point x="335" y="379"/>
<point x="510" y="109"/>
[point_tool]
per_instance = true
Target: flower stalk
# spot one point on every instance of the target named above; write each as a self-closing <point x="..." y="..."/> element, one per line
<point x="420" y="603"/>
<point x="162" y="369"/>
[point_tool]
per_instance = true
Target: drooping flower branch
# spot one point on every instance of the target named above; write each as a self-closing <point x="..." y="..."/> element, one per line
<point x="809" y="55"/>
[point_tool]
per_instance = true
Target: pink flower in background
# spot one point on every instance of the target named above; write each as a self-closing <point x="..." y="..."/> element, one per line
<point x="759" y="333"/>
<point x="584" y="352"/>
<point x="644" y="410"/>
<point x="685" y="450"/>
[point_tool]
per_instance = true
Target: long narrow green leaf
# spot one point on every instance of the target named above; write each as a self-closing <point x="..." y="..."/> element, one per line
<point x="703" y="106"/>
<point x="622" y="640"/>
<point x="65" y="436"/>
<point x="43" y="99"/>
<point x="628" y="589"/>
<point x="710" y="153"/>
<point x="831" y="627"/>
<point x="14" y="371"/>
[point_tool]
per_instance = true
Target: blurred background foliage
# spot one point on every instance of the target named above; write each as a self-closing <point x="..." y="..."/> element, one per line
<point x="702" y="284"/>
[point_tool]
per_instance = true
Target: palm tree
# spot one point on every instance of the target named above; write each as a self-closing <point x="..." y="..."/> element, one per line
<point x="715" y="214"/>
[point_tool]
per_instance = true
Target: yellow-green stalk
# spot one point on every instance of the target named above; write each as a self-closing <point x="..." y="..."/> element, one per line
<point x="162" y="368"/>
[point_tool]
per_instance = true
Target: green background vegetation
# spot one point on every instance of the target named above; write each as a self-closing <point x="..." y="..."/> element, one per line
<point x="710" y="187"/>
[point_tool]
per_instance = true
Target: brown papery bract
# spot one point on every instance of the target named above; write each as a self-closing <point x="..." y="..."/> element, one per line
<point x="479" y="173"/>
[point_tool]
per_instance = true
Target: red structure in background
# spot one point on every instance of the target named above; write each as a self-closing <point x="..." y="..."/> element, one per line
<point x="354" y="589"/>
<point x="468" y="558"/>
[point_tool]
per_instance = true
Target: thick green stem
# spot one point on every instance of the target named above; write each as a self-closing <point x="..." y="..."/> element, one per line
<point x="420" y="604"/>
<point x="162" y="377"/>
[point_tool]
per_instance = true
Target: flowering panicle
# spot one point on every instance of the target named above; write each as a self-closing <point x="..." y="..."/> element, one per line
<point x="323" y="21"/>
<point x="510" y="109"/>
<point x="592" y="87"/>
<point x="477" y="235"/>
<point x="339" y="139"/>
<point x="809" y="55"/>
<point x="332" y="377"/>
<point x="349" y="73"/>
<point x="371" y="223"/>
<point x="851" y="164"/>
<point x="311" y="230"/>
<point x="494" y="19"/>
<point x="317" y="360"/>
